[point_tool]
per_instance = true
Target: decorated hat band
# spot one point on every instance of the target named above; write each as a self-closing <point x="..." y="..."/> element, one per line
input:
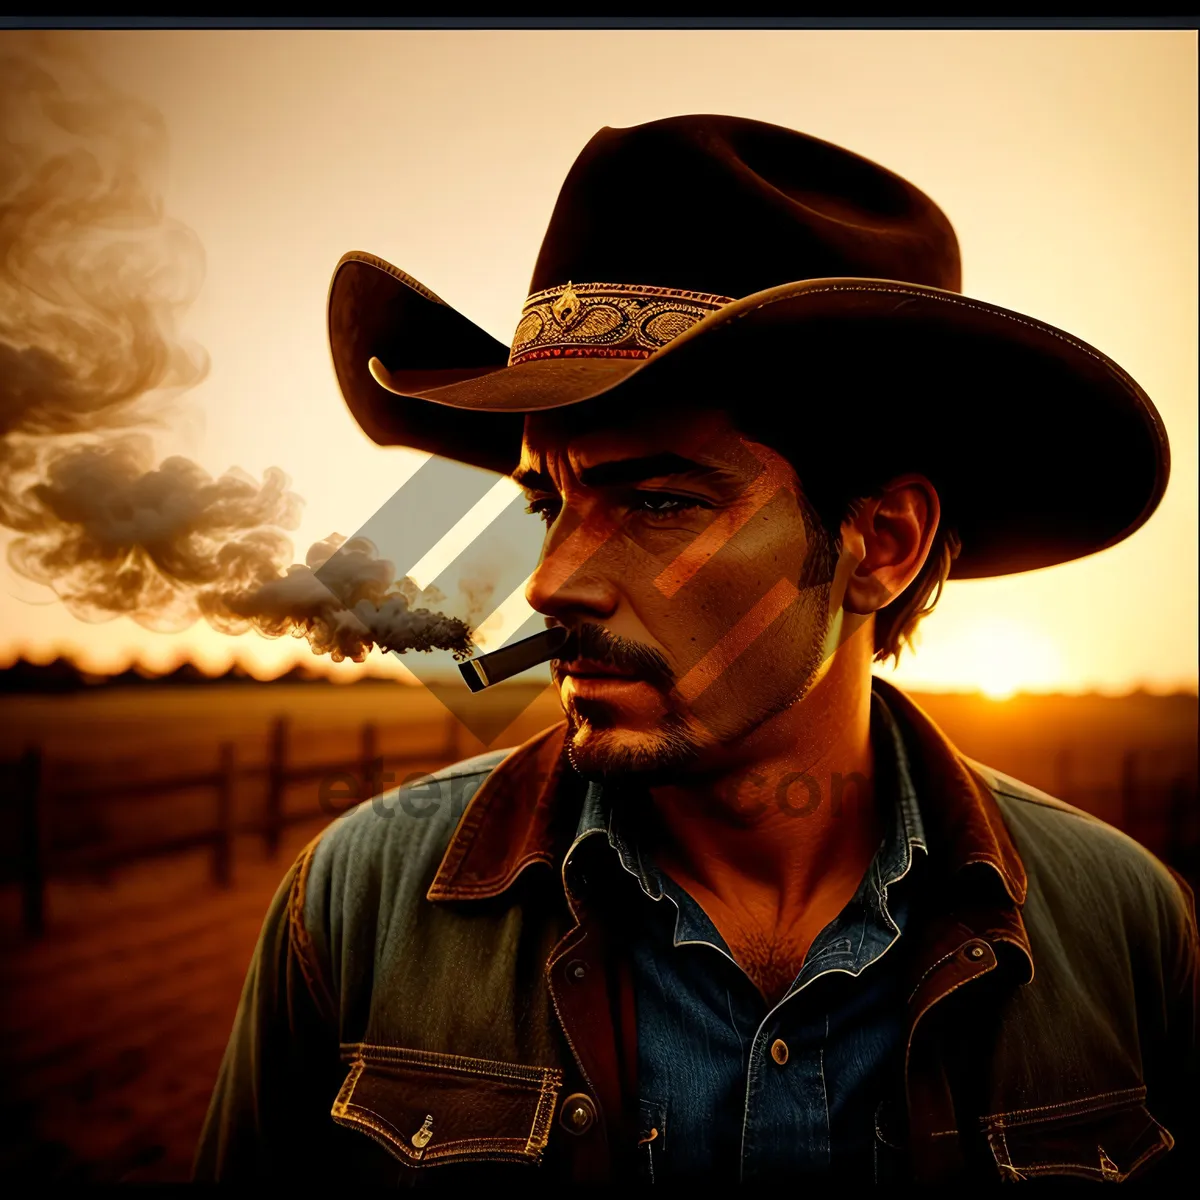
<point x="606" y="320"/>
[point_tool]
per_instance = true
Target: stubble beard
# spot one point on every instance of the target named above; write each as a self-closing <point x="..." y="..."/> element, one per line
<point x="666" y="753"/>
<point x="599" y="751"/>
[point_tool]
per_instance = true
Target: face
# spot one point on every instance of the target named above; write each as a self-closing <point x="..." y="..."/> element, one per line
<point x="678" y="553"/>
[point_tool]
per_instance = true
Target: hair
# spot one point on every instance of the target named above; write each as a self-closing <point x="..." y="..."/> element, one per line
<point x="836" y="491"/>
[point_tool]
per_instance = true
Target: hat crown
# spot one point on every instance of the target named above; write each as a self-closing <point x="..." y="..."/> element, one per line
<point x="731" y="206"/>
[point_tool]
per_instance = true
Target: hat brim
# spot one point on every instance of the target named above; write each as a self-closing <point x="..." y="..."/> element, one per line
<point x="1043" y="450"/>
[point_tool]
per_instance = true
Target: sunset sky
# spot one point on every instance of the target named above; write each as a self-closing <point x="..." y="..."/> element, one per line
<point x="1067" y="162"/>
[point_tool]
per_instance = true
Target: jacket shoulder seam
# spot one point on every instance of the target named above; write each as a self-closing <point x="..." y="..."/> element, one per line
<point x="1104" y="833"/>
<point x="1014" y="789"/>
<point x="1048" y="802"/>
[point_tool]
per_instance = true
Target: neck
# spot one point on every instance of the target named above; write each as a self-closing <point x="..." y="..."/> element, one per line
<point x="778" y="835"/>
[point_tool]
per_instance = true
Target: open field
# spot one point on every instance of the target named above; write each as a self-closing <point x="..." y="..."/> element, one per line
<point x="141" y="731"/>
<point x="112" y="1024"/>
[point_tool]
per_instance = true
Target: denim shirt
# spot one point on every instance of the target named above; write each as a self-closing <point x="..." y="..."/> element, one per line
<point x="730" y="1090"/>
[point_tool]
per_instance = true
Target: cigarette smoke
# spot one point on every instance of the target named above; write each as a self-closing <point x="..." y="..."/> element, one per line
<point x="351" y="606"/>
<point x="94" y="278"/>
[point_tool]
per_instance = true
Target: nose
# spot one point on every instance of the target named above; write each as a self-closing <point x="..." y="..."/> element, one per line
<point x="572" y="580"/>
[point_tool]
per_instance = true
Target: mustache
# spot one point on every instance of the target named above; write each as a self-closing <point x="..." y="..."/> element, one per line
<point x="597" y="644"/>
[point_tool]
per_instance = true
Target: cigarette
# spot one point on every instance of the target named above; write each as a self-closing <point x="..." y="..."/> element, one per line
<point x="508" y="661"/>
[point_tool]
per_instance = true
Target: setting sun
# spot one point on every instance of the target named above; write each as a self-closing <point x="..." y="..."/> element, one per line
<point x="998" y="656"/>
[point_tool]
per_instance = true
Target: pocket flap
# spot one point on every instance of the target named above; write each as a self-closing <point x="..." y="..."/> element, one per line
<point x="1109" y="1137"/>
<point x="429" y="1108"/>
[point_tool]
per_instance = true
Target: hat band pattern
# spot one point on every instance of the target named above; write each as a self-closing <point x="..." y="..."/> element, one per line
<point x="606" y="320"/>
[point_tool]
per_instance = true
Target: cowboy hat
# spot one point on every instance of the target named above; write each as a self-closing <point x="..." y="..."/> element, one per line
<point x="716" y="251"/>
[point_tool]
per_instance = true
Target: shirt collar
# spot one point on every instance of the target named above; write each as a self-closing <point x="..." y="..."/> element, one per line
<point x="894" y="777"/>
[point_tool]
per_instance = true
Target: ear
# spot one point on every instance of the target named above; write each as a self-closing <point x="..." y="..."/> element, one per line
<point x="890" y="535"/>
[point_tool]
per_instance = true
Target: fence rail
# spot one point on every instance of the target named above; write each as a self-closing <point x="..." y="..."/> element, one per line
<point x="36" y="859"/>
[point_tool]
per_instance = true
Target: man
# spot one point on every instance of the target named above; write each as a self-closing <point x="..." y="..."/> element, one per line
<point x="745" y="915"/>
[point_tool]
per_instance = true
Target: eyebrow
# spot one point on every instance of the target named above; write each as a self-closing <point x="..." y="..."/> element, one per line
<point x="627" y="470"/>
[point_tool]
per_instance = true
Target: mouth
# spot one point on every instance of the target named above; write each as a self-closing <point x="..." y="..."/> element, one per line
<point x="621" y="694"/>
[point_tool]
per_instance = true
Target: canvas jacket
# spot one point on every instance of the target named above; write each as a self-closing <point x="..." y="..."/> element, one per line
<point x="429" y="1005"/>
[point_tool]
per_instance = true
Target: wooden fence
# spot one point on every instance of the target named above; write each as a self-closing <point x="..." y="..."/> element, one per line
<point x="31" y="795"/>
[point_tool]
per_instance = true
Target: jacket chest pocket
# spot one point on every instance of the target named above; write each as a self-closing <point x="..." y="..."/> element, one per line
<point x="429" y="1109"/>
<point x="1110" y="1137"/>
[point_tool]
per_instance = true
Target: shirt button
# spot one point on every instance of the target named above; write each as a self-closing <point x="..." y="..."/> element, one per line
<point x="576" y="970"/>
<point x="779" y="1051"/>
<point x="578" y="1113"/>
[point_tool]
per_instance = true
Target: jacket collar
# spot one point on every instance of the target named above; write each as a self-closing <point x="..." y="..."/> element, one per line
<point x="528" y="807"/>
<point x="513" y="820"/>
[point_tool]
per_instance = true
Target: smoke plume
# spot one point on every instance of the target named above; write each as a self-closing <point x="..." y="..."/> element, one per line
<point x="94" y="279"/>
<point x="351" y="605"/>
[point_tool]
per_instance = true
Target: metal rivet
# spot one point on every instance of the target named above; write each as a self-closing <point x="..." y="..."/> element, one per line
<point x="779" y="1051"/>
<point x="976" y="952"/>
<point x="578" y="1113"/>
<point x="576" y="970"/>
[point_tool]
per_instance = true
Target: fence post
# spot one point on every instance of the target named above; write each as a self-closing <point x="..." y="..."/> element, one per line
<point x="276" y="774"/>
<point x="370" y="766"/>
<point x="222" y="858"/>
<point x="33" y="844"/>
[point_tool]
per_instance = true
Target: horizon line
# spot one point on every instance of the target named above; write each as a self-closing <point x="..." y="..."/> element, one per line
<point x="372" y="674"/>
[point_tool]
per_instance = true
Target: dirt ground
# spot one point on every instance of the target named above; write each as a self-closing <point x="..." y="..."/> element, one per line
<point x="113" y="1027"/>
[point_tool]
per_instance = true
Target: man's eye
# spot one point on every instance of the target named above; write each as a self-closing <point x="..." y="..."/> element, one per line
<point x="651" y="505"/>
<point x="663" y="504"/>
<point x="545" y="507"/>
